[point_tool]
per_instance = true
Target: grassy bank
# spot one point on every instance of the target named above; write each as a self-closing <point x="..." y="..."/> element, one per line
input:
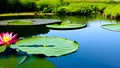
<point x="107" y="8"/>
<point x="26" y="14"/>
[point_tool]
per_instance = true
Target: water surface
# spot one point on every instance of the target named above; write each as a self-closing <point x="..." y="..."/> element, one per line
<point x="99" y="48"/>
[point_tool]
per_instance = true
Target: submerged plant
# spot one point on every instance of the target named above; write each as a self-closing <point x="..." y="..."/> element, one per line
<point x="7" y="38"/>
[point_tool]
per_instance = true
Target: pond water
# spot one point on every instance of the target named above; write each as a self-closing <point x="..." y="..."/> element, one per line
<point x="99" y="48"/>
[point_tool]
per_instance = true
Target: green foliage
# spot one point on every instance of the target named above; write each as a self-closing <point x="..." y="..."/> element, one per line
<point x="69" y="7"/>
<point x="28" y="5"/>
<point x="17" y="6"/>
<point x="99" y="7"/>
<point x="82" y="8"/>
<point x="112" y="10"/>
<point x="47" y="5"/>
<point x="61" y="10"/>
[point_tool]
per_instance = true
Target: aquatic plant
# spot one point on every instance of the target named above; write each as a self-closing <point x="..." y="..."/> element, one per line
<point x="112" y="27"/>
<point x="6" y="39"/>
<point x="49" y="46"/>
<point x="65" y="26"/>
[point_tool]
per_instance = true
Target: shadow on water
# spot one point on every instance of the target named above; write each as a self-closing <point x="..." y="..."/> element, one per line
<point x="25" y="31"/>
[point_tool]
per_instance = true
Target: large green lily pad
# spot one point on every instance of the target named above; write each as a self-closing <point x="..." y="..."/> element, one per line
<point x="24" y="62"/>
<point x="29" y="22"/>
<point x="113" y="27"/>
<point x="11" y="61"/>
<point x="49" y="46"/>
<point x="19" y="22"/>
<point x="36" y="62"/>
<point x="66" y="26"/>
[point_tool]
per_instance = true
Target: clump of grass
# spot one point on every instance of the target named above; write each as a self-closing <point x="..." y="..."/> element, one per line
<point x="112" y="11"/>
<point x="47" y="5"/>
<point x="82" y="8"/>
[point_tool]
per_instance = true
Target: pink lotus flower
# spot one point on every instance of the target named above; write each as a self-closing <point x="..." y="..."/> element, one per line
<point x="7" y="38"/>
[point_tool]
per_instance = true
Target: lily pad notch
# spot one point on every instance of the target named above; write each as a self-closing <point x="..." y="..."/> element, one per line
<point x="49" y="46"/>
<point x="112" y="27"/>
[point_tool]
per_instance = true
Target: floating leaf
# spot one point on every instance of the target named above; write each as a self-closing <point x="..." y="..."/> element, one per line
<point x="19" y="22"/>
<point x="2" y="48"/>
<point x="66" y="26"/>
<point x="49" y="46"/>
<point x="29" y="22"/>
<point x="113" y="27"/>
<point x="33" y="61"/>
<point x="10" y="61"/>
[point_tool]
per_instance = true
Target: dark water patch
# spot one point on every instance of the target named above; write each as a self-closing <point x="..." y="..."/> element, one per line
<point x="25" y="31"/>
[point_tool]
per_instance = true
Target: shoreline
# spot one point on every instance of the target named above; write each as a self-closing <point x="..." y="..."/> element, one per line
<point x="25" y="14"/>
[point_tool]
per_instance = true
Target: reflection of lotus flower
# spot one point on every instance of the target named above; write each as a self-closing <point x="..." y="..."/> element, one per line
<point x="7" y="38"/>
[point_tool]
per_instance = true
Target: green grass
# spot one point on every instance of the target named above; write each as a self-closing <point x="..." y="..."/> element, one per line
<point x="112" y="10"/>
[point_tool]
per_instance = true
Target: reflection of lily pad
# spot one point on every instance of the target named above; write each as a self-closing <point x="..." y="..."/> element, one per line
<point x="49" y="46"/>
<point x="2" y="48"/>
<point x="113" y="27"/>
<point x="18" y="22"/>
<point x="66" y="26"/>
<point x="36" y="62"/>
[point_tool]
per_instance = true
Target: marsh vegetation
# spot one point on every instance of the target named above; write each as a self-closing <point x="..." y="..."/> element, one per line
<point x="107" y="8"/>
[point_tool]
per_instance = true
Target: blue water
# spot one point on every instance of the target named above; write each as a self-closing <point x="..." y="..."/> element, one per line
<point x="99" y="48"/>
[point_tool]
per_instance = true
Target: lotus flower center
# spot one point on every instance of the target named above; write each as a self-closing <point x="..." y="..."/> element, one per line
<point x="6" y="38"/>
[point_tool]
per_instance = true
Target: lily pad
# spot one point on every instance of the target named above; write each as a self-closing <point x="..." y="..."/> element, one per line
<point x="66" y="26"/>
<point x="49" y="46"/>
<point x="19" y="22"/>
<point x="36" y="62"/>
<point x="113" y="27"/>
<point x="11" y="61"/>
<point x="2" y="48"/>
<point x="24" y="62"/>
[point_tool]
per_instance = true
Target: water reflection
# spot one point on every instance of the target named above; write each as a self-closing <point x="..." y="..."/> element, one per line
<point x="72" y="19"/>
